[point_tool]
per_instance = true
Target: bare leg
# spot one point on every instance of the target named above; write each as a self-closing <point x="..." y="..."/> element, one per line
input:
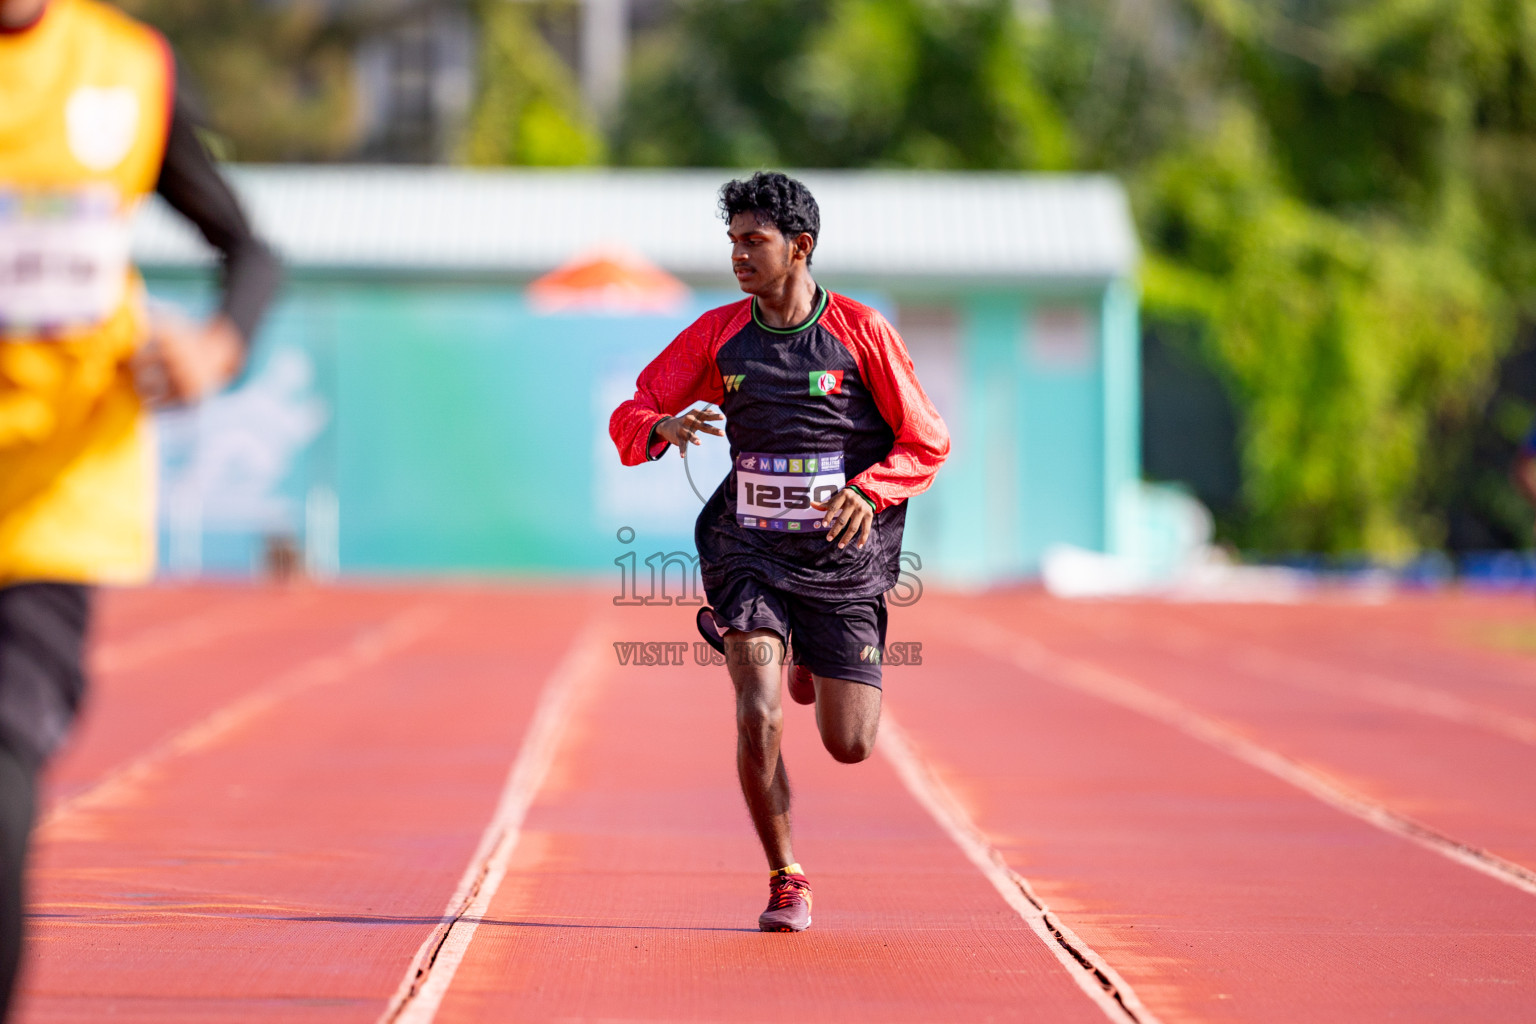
<point x="848" y="715"/>
<point x="755" y="661"/>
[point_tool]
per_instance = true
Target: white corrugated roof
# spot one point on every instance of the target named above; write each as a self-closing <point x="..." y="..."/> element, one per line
<point x="875" y="225"/>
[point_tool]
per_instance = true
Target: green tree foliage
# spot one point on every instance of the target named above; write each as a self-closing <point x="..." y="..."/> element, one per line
<point x="1338" y="196"/>
<point x="279" y="79"/>
<point x="855" y="83"/>
<point x="276" y="79"/>
<point x="1320" y="212"/>
<point x="527" y="109"/>
<point x="1351" y="346"/>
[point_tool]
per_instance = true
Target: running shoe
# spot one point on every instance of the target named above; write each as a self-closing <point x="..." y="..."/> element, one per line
<point x="789" y="905"/>
<point x="802" y="688"/>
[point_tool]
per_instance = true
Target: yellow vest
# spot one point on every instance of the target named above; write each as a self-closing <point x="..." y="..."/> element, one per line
<point x="85" y="99"/>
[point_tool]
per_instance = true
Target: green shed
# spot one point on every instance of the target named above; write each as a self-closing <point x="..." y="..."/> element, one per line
<point x="410" y="411"/>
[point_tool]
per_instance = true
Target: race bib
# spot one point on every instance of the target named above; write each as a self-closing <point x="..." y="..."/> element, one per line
<point x="63" y="259"/>
<point x="774" y="492"/>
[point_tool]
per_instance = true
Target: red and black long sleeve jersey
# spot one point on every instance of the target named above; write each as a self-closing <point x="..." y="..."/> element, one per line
<point x="765" y="381"/>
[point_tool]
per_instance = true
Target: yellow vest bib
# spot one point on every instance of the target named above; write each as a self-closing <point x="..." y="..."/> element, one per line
<point x="84" y="109"/>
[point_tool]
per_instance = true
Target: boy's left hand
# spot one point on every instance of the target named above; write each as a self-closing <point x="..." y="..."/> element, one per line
<point x="849" y="515"/>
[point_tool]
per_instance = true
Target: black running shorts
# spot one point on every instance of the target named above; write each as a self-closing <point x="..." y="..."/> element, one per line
<point x="42" y="681"/>
<point x="834" y="639"/>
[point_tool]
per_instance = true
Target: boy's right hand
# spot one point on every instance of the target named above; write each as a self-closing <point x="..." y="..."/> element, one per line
<point x="684" y="430"/>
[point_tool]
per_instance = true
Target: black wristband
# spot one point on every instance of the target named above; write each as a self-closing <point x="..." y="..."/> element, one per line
<point x="651" y="439"/>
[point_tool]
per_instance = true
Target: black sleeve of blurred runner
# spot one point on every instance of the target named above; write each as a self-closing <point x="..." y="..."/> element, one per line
<point x="191" y="183"/>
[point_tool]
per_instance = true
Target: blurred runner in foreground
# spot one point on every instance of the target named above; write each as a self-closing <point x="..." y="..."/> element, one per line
<point x="90" y="123"/>
<point x="829" y="431"/>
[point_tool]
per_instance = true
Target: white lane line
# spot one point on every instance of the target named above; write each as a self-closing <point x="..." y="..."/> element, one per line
<point x="1085" y="677"/>
<point x="368" y="648"/>
<point x="431" y="971"/>
<point x="1095" y="977"/>
<point x="1259" y="659"/>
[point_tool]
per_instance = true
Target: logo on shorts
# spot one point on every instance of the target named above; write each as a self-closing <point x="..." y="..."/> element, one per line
<point x="870" y="654"/>
<point x="826" y="382"/>
<point x="733" y="381"/>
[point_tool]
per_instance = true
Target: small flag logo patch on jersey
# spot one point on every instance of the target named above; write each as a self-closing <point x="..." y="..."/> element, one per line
<point x="826" y="382"/>
<point x="733" y="381"/>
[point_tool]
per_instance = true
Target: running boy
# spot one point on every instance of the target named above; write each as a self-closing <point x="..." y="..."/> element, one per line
<point x="830" y="433"/>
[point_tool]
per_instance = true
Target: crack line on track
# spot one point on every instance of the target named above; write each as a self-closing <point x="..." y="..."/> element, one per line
<point x="425" y="984"/>
<point x="1092" y="974"/>
<point x="1030" y="655"/>
<point x="367" y="648"/>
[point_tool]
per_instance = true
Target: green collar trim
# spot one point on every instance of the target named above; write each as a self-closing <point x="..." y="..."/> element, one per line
<point x="821" y="307"/>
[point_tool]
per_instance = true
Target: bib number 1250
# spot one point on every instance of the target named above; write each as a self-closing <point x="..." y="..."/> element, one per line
<point x="775" y="492"/>
<point x="769" y="495"/>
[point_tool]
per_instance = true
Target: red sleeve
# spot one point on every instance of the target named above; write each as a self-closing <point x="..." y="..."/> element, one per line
<point x="684" y="373"/>
<point x="922" y="439"/>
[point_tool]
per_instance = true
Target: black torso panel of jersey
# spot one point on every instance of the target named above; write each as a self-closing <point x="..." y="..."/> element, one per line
<point x="772" y="405"/>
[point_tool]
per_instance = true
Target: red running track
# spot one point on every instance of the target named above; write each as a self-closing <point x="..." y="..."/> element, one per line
<point x="282" y="804"/>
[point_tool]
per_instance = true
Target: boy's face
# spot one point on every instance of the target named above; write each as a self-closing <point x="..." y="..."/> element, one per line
<point x="761" y="256"/>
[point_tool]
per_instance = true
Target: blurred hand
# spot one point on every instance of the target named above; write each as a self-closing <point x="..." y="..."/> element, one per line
<point x="847" y="514"/>
<point x="684" y="430"/>
<point x="185" y="362"/>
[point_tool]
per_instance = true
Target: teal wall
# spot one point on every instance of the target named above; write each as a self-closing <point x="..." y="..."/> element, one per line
<point x="455" y="430"/>
<point x="1046" y="427"/>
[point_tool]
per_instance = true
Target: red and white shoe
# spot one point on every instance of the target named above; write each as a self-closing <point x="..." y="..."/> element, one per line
<point x="789" y="905"/>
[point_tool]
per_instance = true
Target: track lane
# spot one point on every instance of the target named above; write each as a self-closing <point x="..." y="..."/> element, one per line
<point x="1287" y="668"/>
<point x="1440" y="641"/>
<point x="1460" y="778"/>
<point x="635" y="890"/>
<point x="436" y="963"/>
<point x="159" y="687"/>
<point x="123" y="612"/>
<point x="288" y="870"/>
<point x="198" y="618"/>
<point x="238" y="887"/>
<point x="1219" y="892"/>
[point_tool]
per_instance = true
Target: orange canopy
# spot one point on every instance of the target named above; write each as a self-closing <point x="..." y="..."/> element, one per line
<point x="608" y="281"/>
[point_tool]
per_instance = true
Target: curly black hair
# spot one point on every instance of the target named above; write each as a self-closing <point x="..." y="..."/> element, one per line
<point x="776" y="198"/>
